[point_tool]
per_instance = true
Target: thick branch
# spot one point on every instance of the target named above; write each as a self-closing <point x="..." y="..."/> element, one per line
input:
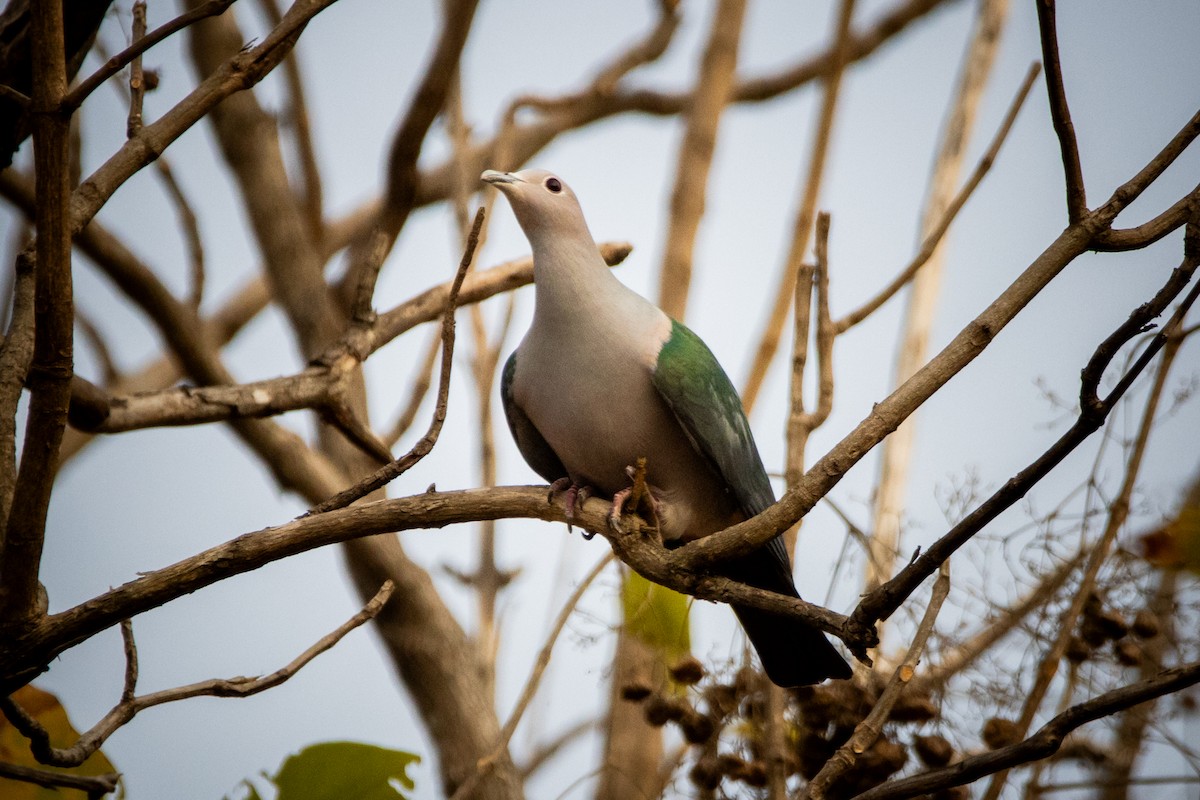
<point x="713" y="85"/>
<point x="58" y="632"/>
<point x="52" y="366"/>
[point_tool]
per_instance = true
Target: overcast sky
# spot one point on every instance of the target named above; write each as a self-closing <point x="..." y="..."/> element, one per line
<point x="140" y="501"/>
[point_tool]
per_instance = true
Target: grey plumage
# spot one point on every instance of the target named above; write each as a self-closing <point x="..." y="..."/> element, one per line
<point x="604" y="376"/>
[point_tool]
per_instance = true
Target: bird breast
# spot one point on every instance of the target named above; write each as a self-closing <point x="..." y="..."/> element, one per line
<point x="589" y="392"/>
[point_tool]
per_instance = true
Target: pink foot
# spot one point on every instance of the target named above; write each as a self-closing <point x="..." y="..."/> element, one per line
<point x="575" y="496"/>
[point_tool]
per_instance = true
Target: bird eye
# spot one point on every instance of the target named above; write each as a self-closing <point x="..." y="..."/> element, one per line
<point x="554" y="184"/>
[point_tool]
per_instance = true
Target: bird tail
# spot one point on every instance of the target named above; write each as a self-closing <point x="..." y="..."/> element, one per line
<point x="793" y="653"/>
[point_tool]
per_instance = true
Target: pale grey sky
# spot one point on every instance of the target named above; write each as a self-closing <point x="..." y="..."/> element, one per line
<point x="140" y="501"/>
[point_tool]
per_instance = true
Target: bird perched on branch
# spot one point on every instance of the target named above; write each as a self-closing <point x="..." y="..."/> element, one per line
<point x="604" y="378"/>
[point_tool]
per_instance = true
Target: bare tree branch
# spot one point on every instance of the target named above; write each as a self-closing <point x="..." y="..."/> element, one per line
<point x="867" y="731"/>
<point x="1045" y="742"/>
<point x="422" y="448"/>
<point x="713" y="85"/>
<point x="1060" y="113"/>
<point x="130" y="706"/>
<point x="94" y="785"/>
<point x="52" y="367"/>
<point x="534" y="680"/>
<point x="883" y="602"/>
<point x="802" y="227"/>
<point x="118" y="62"/>
<point x="137" y="80"/>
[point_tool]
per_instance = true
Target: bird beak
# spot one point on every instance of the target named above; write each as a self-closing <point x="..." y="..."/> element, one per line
<point x="498" y="179"/>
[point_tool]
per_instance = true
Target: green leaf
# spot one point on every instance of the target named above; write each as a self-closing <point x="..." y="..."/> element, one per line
<point x="337" y="770"/>
<point x="657" y="615"/>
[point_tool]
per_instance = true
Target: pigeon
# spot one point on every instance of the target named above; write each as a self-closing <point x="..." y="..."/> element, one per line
<point x="603" y="378"/>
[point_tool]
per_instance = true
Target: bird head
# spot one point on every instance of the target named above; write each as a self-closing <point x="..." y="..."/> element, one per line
<point x="543" y="203"/>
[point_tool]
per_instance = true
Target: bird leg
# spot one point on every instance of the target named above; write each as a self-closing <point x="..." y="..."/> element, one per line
<point x="637" y="496"/>
<point x="575" y="496"/>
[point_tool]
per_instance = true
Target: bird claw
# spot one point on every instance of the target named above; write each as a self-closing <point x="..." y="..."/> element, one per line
<point x="618" y="506"/>
<point x="640" y="494"/>
<point x="575" y="497"/>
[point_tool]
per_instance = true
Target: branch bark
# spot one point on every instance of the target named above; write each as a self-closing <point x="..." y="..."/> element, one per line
<point x="52" y="366"/>
<point x="713" y="85"/>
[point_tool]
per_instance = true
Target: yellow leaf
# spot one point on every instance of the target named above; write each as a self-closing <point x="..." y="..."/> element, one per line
<point x="1176" y="545"/>
<point x="656" y="615"/>
<point x="14" y="748"/>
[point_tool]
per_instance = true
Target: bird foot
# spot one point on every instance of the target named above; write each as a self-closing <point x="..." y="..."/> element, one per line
<point x="637" y="496"/>
<point x="575" y="496"/>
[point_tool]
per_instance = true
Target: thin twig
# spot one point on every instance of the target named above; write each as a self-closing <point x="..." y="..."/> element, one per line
<point x="129" y="707"/>
<point x="801" y="422"/>
<point x="115" y="64"/>
<point x="191" y="231"/>
<point x="422" y="448"/>
<point x="99" y="346"/>
<point x="550" y="749"/>
<point x="340" y="415"/>
<point x="422" y="380"/>
<point x="129" y="689"/>
<point x="1060" y="113"/>
<point x="1044" y="743"/>
<point x="533" y="681"/>
<point x="93" y="785"/>
<point x="802" y="227"/>
<point x="867" y="731"/>
<point x="137" y="79"/>
<point x="938" y="231"/>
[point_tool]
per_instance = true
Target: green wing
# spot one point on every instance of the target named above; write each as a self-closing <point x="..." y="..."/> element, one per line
<point x="533" y="446"/>
<point x="704" y="401"/>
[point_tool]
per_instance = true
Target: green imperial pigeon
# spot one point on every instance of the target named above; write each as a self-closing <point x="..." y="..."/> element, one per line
<point x="604" y="377"/>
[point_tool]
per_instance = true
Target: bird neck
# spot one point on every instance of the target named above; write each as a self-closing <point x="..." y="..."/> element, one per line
<point x="572" y="280"/>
